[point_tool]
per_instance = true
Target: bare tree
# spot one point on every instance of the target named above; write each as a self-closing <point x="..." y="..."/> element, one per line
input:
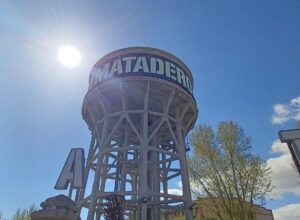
<point x="225" y="175"/>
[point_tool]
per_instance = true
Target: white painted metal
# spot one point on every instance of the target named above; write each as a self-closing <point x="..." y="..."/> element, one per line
<point x="289" y="135"/>
<point x="72" y="172"/>
<point x="292" y="138"/>
<point x="137" y="150"/>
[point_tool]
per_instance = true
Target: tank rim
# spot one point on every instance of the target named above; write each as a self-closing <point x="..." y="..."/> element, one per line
<point x="150" y="50"/>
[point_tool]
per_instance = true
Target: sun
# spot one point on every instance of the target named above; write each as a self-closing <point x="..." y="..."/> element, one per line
<point x="69" y="56"/>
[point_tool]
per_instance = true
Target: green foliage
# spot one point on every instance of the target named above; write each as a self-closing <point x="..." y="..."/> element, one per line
<point x="225" y="174"/>
<point x="21" y="214"/>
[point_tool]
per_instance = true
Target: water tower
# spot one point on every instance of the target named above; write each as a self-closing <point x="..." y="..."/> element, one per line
<point x="139" y="108"/>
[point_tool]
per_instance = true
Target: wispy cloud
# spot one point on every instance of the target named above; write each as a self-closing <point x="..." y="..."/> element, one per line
<point x="174" y="191"/>
<point x="286" y="112"/>
<point x="177" y="190"/>
<point x="290" y="212"/>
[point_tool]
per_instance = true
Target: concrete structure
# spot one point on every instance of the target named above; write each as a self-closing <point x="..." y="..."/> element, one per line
<point x="57" y="208"/>
<point x="263" y="213"/>
<point x="139" y="108"/>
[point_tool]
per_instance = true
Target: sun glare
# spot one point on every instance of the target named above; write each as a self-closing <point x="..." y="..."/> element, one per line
<point x="69" y="56"/>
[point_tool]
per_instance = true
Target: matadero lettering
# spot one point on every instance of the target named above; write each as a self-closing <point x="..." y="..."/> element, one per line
<point x="141" y="65"/>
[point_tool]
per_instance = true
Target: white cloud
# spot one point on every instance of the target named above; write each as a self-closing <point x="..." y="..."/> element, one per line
<point x="286" y="112"/>
<point x="284" y="176"/>
<point x="177" y="190"/>
<point x="296" y="101"/>
<point x="290" y="212"/>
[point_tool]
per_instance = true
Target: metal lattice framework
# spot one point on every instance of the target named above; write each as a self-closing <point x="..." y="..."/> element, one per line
<point x="138" y="146"/>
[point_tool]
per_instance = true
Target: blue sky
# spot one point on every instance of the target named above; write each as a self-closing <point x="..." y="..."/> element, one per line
<point x="244" y="56"/>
